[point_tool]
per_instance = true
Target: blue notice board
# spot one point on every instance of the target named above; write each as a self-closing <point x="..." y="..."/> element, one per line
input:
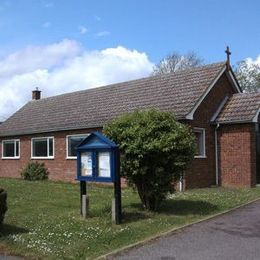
<point x="97" y="159"/>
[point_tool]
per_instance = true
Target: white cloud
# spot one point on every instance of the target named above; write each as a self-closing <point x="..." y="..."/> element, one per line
<point x="48" y="4"/>
<point x="83" y="29"/>
<point x="64" y="67"/>
<point x="97" y="18"/>
<point x="38" y="57"/>
<point x="46" y="25"/>
<point x="102" y="34"/>
<point x="251" y="61"/>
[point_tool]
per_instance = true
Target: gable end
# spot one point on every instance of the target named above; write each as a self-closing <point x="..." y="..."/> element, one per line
<point x="231" y="78"/>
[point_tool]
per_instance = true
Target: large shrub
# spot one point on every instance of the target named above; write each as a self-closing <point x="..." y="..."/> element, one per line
<point x="35" y="171"/>
<point x="155" y="150"/>
<point x="3" y="205"/>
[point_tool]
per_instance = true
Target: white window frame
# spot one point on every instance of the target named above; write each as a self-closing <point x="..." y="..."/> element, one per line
<point x="201" y="130"/>
<point x="67" y="146"/>
<point x="43" y="157"/>
<point x="14" y="157"/>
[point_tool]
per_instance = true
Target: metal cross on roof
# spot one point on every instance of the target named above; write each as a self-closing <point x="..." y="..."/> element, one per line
<point x="228" y="52"/>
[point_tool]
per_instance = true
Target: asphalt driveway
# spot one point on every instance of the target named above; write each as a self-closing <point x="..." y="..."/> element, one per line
<point x="235" y="235"/>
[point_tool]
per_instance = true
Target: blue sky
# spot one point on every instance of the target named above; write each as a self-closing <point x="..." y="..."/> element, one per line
<point x="66" y="45"/>
<point x="155" y="27"/>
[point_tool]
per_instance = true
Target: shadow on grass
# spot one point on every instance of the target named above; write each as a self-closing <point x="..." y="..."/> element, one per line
<point x="181" y="207"/>
<point x="129" y="217"/>
<point x="6" y="230"/>
<point x="137" y="206"/>
<point x="187" y="207"/>
<point x="100" y="212"/>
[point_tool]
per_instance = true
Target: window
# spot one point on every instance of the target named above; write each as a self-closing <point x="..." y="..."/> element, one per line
<point x="11" y="149"/>
<point x="72" y="142"/>
<point x="200" y="142"/>
<point x="42" y="147"/>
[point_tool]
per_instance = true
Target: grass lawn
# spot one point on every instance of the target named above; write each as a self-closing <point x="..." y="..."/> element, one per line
<point x="43" y="217"/>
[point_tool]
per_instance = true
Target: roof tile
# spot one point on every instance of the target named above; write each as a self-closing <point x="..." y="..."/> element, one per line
<point x="174" y="92"/>
<point x="241" y="107"/>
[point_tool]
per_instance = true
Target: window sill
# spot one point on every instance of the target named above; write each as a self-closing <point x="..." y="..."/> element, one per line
<point x="10" y="158"/>
<point x="42" y="158"/>
<point x="200" y="157"/>
<point x="71" y="158"/>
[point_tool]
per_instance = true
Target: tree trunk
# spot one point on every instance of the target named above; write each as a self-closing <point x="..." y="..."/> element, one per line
<point x="149" y="201"/>
<point x="3" y="204"/>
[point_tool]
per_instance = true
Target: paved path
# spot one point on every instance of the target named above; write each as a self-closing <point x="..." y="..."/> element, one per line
<point x="235" y="235"/>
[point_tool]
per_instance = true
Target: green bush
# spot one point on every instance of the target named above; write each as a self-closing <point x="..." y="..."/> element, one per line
<point x="3" y="204"/>
<point x="35" y="171"/>
<point x="155" y="150"/>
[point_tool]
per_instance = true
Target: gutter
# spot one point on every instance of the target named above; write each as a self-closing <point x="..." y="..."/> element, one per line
<point x="216" y="154"/>
<point x="236" y="122"/>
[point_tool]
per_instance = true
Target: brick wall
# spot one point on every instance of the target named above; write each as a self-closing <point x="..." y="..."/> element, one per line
<point x="237" y="159"/>
<point x="60" y="167"/>
<point x="202" y="171"/>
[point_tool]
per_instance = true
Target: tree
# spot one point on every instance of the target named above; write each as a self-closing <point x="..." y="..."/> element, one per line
<point x="155" y="150"/>
<point x="176" y="62"/>
<point x="248" y="75"/>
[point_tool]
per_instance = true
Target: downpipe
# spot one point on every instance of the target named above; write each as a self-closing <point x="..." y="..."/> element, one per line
<point x="216" y="154"/>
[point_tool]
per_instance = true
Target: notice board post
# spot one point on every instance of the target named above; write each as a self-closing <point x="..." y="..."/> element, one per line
<point x="98" y="160"/>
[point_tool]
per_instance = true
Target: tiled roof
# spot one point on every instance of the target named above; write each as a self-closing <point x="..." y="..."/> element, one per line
<point x="175" y="92"/>
<point x="240" y="108"/>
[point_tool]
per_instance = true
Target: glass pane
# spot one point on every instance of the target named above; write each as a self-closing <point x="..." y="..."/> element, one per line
<point x="50" y="147"/>
<point x="73" y="142"/>
<point x="199" y="143"/>
<point x="104" y="164"/>
<point x="17" y="148"/>
<point x="8" y="148"/>
<point x="86" y="164"/>
<point x="197" y="140"/>
<point x="40" y="147"/>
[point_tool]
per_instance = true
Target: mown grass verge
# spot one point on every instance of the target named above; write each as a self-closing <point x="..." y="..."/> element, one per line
<point x="43" y="218"/>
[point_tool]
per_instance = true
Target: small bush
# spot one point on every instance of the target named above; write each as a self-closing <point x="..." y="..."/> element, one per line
<point x="3" y="204"/>
<point x="35" y="171"/>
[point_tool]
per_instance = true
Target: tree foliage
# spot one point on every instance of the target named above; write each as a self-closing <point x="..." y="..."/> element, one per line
<point x="176" y="62"/>
<point x="248" y="75"/>
<point x="155" y="150"/>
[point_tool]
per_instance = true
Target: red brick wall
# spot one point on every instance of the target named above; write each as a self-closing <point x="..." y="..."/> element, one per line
<point x="60" y="167"/>
<point x="237" y="159"/>
<point x="202" y="171"/>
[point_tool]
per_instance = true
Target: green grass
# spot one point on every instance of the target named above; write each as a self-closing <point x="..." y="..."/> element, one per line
<point x="43" y="218"/>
